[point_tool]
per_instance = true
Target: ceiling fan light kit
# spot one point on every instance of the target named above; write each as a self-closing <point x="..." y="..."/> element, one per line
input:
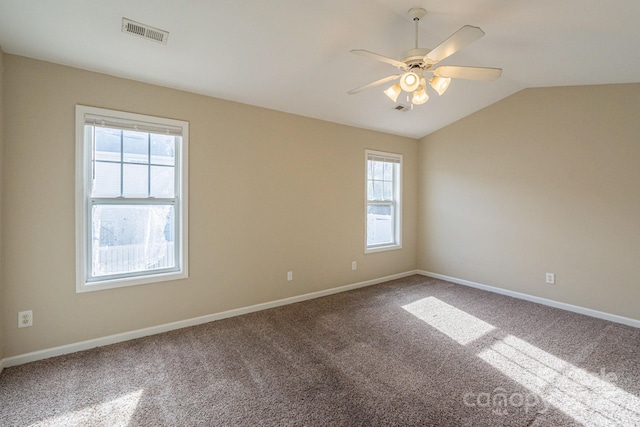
<point x="420" y="96"/>
<point x="393" y="92"/>
<point x="440" y="84"/>
<point x="418" y="61"/>
<point x="409" y="81"/>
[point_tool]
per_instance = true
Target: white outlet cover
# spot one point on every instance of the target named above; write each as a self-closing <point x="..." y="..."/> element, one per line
<point x="25" y="319"/>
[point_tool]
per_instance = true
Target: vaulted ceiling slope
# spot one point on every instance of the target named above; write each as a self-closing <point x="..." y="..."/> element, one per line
<point x="293" y="55"/>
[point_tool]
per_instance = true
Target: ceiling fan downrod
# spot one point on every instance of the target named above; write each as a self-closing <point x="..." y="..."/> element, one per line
<point x="417" y="13"/>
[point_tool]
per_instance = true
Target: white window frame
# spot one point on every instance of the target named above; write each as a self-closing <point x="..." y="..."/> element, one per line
<point x="124" y="120"/>
<point x="396" y="203"/>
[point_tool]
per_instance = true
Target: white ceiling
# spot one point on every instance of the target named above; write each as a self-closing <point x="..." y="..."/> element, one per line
<point x="293" y="55"/>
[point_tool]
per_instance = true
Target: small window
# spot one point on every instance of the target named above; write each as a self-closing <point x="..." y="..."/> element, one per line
<point x="131" y="206"/>
<point x="383" y="208"/>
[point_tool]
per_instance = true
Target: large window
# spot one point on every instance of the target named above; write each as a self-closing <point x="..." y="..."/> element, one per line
<point x="131" y="206"/>
<point x="383" y="210"/>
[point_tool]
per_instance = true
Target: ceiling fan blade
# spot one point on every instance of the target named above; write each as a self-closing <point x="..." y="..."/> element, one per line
<point x="469" y="73"/>
<point x="381" y="58"/>
<point x="454" y="43"/>
<point x="376" y="83"/>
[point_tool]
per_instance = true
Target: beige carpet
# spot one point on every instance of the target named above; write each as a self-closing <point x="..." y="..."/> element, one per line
<point x="414" y="351"/>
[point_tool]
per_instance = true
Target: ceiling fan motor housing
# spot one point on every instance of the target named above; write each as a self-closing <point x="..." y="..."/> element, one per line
<point x="415" y="58"/>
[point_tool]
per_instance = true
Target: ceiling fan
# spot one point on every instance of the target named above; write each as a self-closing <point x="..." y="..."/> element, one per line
<point x="418" y="64"/>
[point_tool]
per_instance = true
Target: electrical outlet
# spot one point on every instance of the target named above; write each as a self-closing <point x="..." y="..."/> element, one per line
<point x="354" y="265"/>
<point x="25" y="319"/>
<point x="551" y="278"/>
<point x="289" y="276"/>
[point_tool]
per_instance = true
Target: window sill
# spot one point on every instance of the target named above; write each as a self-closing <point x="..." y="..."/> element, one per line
<point x="129" y="281"/>
<point x="381" y="248"/>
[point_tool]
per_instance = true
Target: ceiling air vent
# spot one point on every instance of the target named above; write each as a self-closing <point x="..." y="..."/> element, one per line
<point x="401" y="107"/>
<point x="145" y="31"/>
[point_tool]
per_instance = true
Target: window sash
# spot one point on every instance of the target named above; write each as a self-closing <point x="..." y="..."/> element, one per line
<point x="121" y="162"/>
<point x="130" y="202"/>
<point x="393" y="235"/>
<point x="371" y="185"/>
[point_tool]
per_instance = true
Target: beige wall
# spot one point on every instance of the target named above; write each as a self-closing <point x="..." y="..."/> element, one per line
<point x="547" y="180"/>
<point x="1" y="192"/>
<point x="269" y="192"/>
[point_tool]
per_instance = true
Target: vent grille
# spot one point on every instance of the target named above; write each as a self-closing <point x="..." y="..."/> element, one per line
<point x="401" y="107"/>
<point x="145" y="31"/>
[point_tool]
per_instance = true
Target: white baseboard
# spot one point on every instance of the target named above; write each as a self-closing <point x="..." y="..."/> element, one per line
<point x="551" y="303"/>
<point x="126" y="336"/>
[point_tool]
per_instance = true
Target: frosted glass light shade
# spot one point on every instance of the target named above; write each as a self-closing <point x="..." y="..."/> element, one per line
<point x="409" y="81"/>
<point x="393" y="92"/>
<point x="440" y="84"/>
<point x="420" y="96"/>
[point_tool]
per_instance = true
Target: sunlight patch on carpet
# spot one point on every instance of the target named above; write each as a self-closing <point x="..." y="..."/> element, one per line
<point x="451" y="321"/>
<point x="116" y="412"/>
<point x="588" y="398"/>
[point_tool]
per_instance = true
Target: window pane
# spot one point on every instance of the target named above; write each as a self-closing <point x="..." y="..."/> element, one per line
<point x="107" y="144"/>
<point x="378" y="170"/>
<point x="163" y="149"/>
<point x="377" y="190"/>
<point x="388" y="171"/>
<point x="162" y="181"/>
<point x="131" y="238"/>
<point x="106" y="180"/>
<point x="380" y="228"/>
<point x="136" y="181"/>
<point x="387" y="190"/>
<point x="135" y="146"/>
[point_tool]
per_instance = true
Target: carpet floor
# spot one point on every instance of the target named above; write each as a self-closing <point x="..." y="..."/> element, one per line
<point x="410" y="352"/>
